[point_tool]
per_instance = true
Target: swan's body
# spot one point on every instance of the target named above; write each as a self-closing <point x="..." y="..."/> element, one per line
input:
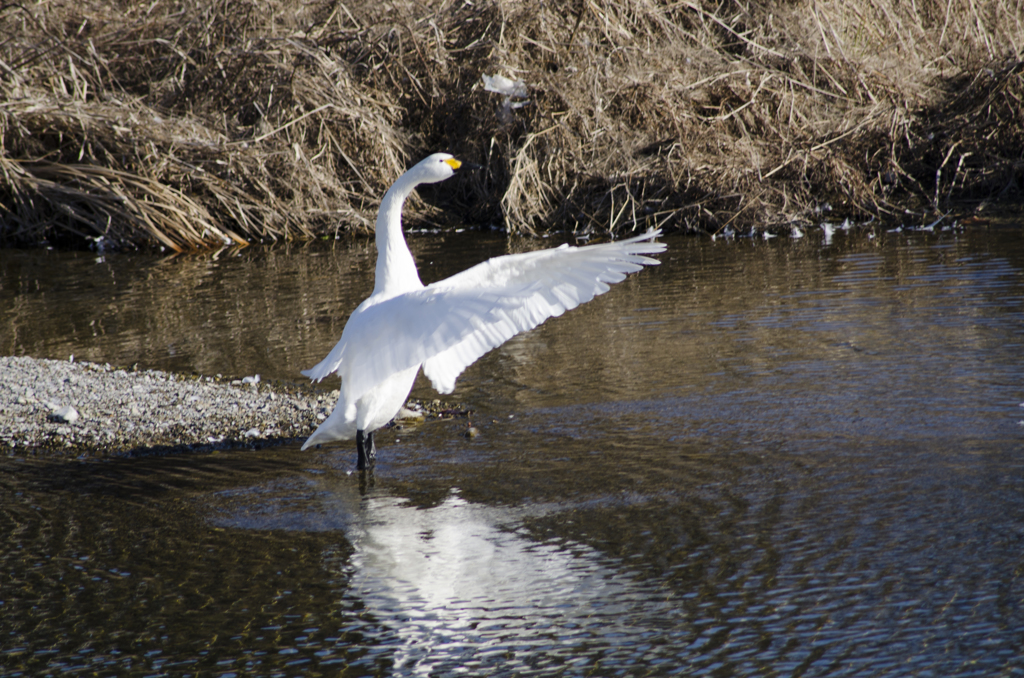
<point x="446" y="326"/>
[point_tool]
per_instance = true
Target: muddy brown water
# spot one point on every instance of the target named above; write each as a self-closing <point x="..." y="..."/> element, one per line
<point x="760" y="458"/>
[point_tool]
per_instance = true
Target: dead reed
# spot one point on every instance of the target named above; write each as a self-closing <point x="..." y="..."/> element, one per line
<point x="196" y="124"/>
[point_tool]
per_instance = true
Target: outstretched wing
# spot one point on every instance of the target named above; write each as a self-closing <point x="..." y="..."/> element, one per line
<point x="531" y="288"/>
<point x="446" y="326"/>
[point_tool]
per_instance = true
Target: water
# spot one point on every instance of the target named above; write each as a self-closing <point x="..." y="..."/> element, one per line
<point x="783" y="458"/>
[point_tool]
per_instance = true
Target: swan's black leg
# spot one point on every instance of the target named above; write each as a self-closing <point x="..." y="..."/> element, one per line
<point x="366" y="450"/>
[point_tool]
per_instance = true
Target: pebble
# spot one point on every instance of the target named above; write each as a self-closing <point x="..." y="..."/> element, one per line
<point x="67" y="414"/>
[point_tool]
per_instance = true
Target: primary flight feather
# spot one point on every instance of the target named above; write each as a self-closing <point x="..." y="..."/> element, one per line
<point x="444" y="327"/>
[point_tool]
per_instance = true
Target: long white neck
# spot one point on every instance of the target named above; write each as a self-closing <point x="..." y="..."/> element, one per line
<point x="396" y="269"/>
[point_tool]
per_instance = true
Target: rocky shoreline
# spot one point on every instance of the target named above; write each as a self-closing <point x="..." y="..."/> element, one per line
<point x="64" y="408"/>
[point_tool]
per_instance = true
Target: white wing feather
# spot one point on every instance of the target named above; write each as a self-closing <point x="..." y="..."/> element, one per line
<point x="448" y="325"/>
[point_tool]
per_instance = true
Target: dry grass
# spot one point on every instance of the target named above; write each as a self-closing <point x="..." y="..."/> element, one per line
<point x="192" y="124"/>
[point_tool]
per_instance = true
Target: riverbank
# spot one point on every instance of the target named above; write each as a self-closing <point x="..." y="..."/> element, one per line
<point x="64" y="408"/>
<point x="181" y="126"/>
<point x="69" y="408"/>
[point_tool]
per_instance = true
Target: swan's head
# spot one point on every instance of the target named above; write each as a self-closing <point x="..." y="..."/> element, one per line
<point x="434" y="168"/>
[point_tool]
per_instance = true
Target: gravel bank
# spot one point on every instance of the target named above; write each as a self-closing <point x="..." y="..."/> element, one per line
<point x="65" y="408"/>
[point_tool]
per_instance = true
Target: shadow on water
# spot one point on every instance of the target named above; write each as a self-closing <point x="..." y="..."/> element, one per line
<point x="759" y="459"/>
<point x="182" y="559"/>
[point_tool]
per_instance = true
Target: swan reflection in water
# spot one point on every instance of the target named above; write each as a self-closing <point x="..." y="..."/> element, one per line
<point x="460" y="582"/>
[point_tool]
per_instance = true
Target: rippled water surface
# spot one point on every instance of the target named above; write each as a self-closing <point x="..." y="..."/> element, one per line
<point x="789" y="458"/>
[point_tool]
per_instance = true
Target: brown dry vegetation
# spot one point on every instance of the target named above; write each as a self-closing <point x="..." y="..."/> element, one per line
<point x="189" y="124"/>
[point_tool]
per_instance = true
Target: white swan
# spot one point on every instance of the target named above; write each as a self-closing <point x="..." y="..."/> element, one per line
<point x="446" y="326"/>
